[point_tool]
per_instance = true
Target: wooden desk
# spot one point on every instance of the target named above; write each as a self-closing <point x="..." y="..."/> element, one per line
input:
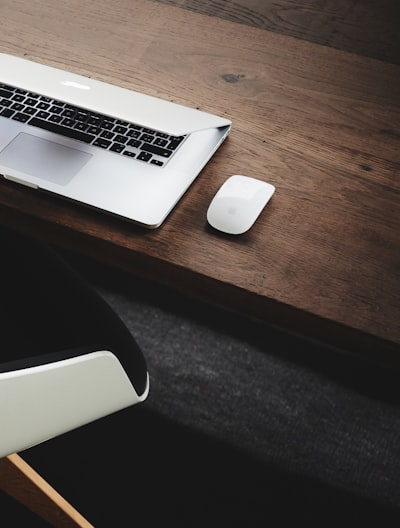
<point x="321" y="124"/>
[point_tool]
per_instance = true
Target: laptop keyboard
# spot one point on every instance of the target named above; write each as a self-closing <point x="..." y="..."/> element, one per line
<point x="121" y="137"/>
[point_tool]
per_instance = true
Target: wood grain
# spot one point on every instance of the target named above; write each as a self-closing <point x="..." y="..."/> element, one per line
<point x="19" y="480"/>
<point x="369" y="28"/>
<point x="321" y="124"/>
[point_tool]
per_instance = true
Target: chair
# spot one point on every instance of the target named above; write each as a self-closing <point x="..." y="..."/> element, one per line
<point x="66" y="359"/>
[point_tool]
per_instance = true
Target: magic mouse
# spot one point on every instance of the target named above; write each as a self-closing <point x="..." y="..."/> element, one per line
<point x="238" y="203"/>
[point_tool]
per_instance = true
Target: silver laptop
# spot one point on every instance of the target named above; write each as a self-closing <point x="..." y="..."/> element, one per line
<point x="119" y="151"/>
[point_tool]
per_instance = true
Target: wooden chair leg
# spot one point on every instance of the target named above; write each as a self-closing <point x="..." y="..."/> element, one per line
<point x="19" y="480"/>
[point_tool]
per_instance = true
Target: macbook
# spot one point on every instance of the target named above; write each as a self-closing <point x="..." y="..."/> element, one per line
<point x="120" y="151"/>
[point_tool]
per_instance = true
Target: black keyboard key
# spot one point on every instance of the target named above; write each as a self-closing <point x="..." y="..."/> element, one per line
<point x="17" y="107"/>
<point x="146" y="137"/>
<point x="94" y="120"/>
<point x="72" y="108"/>
<point x="94" y="130"/>
<point x="175" y="142"/>
<point x="43" y="115"/>
<point x="117" y="147"/>
<point x="120" y="129"/>
<point x="68" y="112"/>
<point x="134" y="143"/>
<point x="154" y="149"/>
<point x="157" y="162"/>
<point x="5" y="93"/>
<point x="43" y="105"/>
<point x="22" y="118"/>
<point x="60" y="129"/>
<point x="133" y="133"/>
<point x="161" y="142"/>
<point x="129" y="153"/>
<point x="121" y="139"/>
<point x="54" y="118"/>
<point x="81" y="126"/>
<point x="69" y="123"/>
<point x="18" y="98"/>
<point x="103" y="143"/>
<point x="107" y="125"/>
<point x="54" y="109"/>
<point x="30" y="110"/>
<point x="144" y="156"/>
<point x="107" y="134"/>
<point x="82" y="116"/>
<point x="7" y="112"/>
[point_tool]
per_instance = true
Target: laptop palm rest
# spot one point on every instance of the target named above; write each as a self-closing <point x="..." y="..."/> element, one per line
<point x="43" y="158"/>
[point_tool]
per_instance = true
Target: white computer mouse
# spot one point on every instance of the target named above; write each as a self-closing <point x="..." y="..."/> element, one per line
<point x="238" y="203"/>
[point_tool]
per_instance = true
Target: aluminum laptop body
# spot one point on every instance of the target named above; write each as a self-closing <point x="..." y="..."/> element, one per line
<point x="135" y="176"/>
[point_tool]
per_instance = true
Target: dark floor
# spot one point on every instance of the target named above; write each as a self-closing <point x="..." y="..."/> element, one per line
<point x="243" y="425"/>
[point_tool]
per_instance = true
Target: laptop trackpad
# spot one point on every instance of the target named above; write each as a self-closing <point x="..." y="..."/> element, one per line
<point x="43" y="158"/>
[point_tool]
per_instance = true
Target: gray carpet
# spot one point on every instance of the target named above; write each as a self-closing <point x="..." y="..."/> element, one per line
<point x="244" y="426"/>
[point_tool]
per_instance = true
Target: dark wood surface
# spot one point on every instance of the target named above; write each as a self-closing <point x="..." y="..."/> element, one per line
<point x="369" y="27"/>
<point x="312" y="113"/>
